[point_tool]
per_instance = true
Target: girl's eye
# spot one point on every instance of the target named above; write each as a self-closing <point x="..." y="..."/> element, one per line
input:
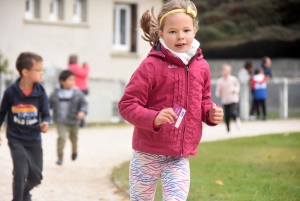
<point x="172" y="32"/>
<point x="187" y="30"/>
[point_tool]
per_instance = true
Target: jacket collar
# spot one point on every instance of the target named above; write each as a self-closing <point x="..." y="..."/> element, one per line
<point x="159" y="51"/>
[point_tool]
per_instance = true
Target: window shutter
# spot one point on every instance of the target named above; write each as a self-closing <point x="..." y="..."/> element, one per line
<point x="133" y="31"/>
<point x="84" y="10"/>
<point x="61" y="9"/>
<point x="37" y="9"/>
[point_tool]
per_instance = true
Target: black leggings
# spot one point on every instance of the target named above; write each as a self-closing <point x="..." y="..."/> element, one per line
<point x="256" y="106"/>
<point x="230" y="111"/>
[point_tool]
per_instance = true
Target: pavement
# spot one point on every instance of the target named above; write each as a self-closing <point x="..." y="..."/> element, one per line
<point x="100" y="150"/>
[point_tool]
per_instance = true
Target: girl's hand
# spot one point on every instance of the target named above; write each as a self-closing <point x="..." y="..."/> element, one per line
<point x="44" y="127"/>
<point x="215" y="114"/>
<point x="165" y="116"/>
<point x="80" y="115"/>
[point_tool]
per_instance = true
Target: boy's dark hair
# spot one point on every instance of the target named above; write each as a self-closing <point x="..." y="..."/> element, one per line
<point x="73" y="59"/>
<point x="65" y="75"/>
<point x="25" y="61"/>
<point x="258" y="70"/>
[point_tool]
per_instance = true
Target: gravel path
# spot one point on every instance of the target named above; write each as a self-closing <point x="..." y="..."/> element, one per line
<point x="101" y="149"/>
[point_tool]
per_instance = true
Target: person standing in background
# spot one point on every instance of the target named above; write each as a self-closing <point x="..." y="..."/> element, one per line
<point x="259" y="88"/>
<point x="266" y="66"/>
<point x="228" y="88"/>
<point x="244" y="76"/>
<point x="81" y="74"/>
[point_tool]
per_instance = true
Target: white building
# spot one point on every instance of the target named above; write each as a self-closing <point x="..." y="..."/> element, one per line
<point x="103" y="33"/>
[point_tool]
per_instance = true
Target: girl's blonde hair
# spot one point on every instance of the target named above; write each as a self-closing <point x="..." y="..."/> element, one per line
<point x="150" y="24"/>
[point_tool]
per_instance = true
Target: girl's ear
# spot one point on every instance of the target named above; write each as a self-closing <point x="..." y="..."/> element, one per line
<point x="195" y="31"/>
<point x="160" y="34"/>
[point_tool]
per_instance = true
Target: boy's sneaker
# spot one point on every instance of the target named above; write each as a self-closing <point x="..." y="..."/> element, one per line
<point x="59" y="161"/>
<point x="238" y="123"/>
<point x="27" y="197"/>
<point x="74" y="156"/>
<point x="252" y="117"/>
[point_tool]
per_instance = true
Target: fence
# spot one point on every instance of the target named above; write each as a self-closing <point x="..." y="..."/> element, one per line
<point x="283" y="97"/>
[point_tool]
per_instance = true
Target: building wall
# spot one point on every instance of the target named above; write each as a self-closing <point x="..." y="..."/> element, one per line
<point x="55" y="41"/>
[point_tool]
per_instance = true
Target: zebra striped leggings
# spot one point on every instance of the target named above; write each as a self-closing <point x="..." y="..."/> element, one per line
<point x="145" y="169"/>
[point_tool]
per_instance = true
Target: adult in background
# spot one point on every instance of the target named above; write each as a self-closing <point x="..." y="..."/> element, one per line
<point x="81" y="74"/>
<point x="244" y="76"/>
<point x="228" y="88"/>
<point x="266" y="66"/>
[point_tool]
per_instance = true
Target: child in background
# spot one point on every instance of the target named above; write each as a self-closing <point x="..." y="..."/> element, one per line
<point x="81" y="75"/>
<point x="259" y="92"/>
<point x="69" y="107"/>
<point x="26" y="104"/>
<point x="174" y="73"/>
<point x="228" y="88"/>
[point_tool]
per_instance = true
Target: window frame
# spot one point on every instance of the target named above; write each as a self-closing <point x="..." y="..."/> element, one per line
<point x="117" y="28"/>
<point x="54" y="10"/>
<point x="29" y="12"/>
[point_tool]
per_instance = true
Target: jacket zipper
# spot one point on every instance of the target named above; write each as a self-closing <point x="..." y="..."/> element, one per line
<point x="186" y="105"/>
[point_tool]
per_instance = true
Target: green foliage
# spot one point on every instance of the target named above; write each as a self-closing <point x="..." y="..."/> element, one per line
<point x="3" y="63"/>
<point x="224" y="20"/>
<point x="256" y="168"/>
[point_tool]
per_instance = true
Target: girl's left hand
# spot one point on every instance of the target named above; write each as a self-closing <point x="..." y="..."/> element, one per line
<point x="44" y="127"/>
<point x="215" y="114"/>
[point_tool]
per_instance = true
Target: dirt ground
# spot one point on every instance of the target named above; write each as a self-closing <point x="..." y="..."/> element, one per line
<point x="101" y="149"/>
<point x="87" y="178"/>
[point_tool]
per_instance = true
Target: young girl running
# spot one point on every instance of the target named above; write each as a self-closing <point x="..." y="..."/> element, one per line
<point x="173" y="74"/>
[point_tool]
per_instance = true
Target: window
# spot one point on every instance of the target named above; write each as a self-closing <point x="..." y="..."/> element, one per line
<point x="125" y="23"/>
<point x="56" y="10"/>
<point x="32" y="9"/>
<point x="80" y="11"/>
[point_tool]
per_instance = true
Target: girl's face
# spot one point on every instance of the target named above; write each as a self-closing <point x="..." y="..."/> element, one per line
<point x="178" y="32"/>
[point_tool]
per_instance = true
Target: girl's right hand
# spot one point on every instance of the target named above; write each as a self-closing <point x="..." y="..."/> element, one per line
<point x="165" y="116"/>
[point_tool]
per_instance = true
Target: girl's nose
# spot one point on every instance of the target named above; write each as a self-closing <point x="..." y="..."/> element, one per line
<point x="180" y="35"/>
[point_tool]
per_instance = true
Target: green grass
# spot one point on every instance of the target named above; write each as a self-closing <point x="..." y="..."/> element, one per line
<point x="264" y="168"/>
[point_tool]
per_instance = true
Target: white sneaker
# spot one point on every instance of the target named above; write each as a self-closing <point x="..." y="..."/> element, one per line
<point x="252" y="117"/>
<point x="228" y="135"/>
<point x="238" y="123"/>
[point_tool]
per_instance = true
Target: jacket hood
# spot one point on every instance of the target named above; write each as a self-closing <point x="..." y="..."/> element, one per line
<point x="259" y="78"/>
<point x="38" y="89"/>
<point x="158" y="50"/>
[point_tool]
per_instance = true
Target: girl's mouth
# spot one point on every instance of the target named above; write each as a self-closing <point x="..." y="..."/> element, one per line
<point x="180" y="44"/>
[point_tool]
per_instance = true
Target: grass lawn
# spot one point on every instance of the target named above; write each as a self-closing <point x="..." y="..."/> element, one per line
<point x="264" y="168"/>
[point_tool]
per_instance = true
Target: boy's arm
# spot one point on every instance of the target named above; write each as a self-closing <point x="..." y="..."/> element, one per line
<point x="206" y="95"/>
<point x="45" y="109"/>
<point x="5" y="105"/>
<point x="83" y="104"/>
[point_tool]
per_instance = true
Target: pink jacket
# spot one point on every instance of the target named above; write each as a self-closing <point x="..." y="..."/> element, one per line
<point x="161" y="81"/>
<point x="81" y="75"/>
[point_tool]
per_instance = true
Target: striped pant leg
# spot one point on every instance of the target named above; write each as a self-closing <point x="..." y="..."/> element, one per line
<point x="145" y="169"/>
<point x="175" y="178"/>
